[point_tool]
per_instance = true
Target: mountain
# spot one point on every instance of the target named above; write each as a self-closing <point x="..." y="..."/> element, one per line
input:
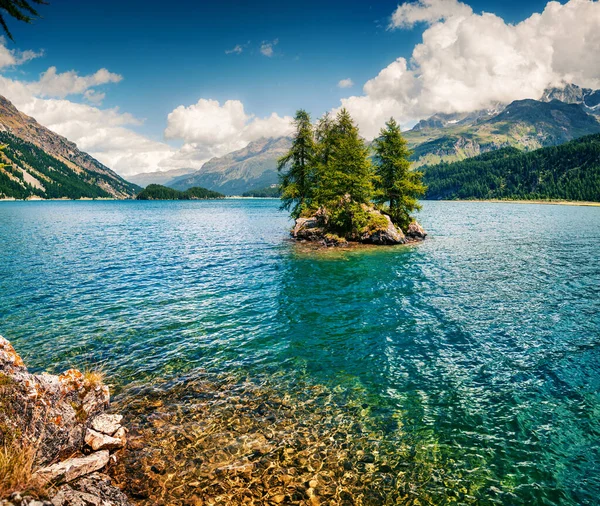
<point x="442" y="120"/>
<point x="160" y="177"/>
<point x="525" y="124"/>
<point x="570" y="171"/>
<point x="42" y="163"/>
<point x="255" y="166"/>
<point x="573" y="94"/>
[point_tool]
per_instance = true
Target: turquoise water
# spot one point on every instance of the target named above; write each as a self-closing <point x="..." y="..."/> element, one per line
<point x="486" y="336"/>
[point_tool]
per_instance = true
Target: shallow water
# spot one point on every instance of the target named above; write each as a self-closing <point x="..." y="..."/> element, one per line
<point x="484" y="339"/>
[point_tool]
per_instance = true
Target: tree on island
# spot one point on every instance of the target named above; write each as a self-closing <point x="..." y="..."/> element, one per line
<point x="298" y="183"/>
<point x="345" y="175"/>
<point x="331" y="180"/>
<point x="397" y="187"/>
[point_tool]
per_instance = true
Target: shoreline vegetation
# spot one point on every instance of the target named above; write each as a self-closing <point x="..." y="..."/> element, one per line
<point x="338" y="195"/>
<point x="160" y="192"/>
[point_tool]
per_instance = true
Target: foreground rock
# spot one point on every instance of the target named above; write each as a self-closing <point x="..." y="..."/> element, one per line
<point x="57" y="426"/>
<point x="381" y="232"/>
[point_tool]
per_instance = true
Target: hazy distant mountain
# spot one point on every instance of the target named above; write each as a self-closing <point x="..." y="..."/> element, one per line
<point x="42" y="163"/>
<point x="442" y="120"/>
<point x="255" y="166"/>
<point x="161" y="177"/>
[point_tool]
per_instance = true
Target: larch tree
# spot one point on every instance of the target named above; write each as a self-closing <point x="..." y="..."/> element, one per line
<point x="297" y="167"/>
<point x="396" y="185"/>
<point x="347" y="171"/>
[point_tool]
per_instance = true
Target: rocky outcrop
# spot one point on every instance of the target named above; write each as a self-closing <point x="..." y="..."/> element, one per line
<point x="388" y="235"/>
<point x="381" y="231"/>
<point x="62" y="420"/>
<point x="415" y="231"/>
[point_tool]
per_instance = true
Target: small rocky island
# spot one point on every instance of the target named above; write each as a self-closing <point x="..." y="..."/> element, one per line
<point x="382" y="232"/>
<point x="56" y="438"/>
<point x="341" y="191"/>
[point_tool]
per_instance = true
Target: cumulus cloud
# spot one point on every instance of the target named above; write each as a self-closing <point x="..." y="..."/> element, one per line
<point x="429" y="11"/>
<point x="468" y="61"/>
<point x="211" y="129"/>
<point x="105" y="134"/>
<point x="267" y="48"/>
<point x="346" y="83"/>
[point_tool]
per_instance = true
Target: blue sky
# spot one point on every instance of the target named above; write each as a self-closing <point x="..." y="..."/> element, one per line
<point x="173" y="54"/>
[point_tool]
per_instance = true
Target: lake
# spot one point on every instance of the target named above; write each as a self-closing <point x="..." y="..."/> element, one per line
<point x="475" y="354"/>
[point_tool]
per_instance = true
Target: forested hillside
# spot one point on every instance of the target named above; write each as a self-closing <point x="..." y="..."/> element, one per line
<point x="45" y="164"/>
<point x="570" y="171"/>
<point x="30" y="171"/>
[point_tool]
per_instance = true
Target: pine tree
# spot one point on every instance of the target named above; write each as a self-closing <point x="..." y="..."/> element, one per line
<point x="344" y="174"/>
<point x="298" y="183"/>
<point x="396" y="184"/>
<point x="347" y="171"/>
<point x="21" y="10"/>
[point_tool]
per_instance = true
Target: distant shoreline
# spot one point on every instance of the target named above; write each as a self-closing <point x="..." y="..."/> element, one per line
<point x="548" y="202"/>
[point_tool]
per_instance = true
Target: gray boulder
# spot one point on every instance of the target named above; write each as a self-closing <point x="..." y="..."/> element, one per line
<point x="415" y="231"/>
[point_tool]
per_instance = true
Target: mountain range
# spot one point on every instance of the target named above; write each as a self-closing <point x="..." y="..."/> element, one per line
<point x="40" y="163"/>
<point x="562" y="114"/>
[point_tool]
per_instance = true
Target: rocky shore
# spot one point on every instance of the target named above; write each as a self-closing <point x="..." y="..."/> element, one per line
<point x="56" y="437"/>
<point x="315" y="229"/>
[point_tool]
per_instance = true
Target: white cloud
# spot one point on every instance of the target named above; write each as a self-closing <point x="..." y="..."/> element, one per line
<point x="346" y="83"/>
<point x="94" y="97"/>
<point x="13" y="57"/>
<point x="267" y="48"/>
<point x="429" y="11"/>
<point x="469" y="61"/>
<point x="211" y="129"/>
<point x="237" y="49"/>
<point x="60" y="85"/>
